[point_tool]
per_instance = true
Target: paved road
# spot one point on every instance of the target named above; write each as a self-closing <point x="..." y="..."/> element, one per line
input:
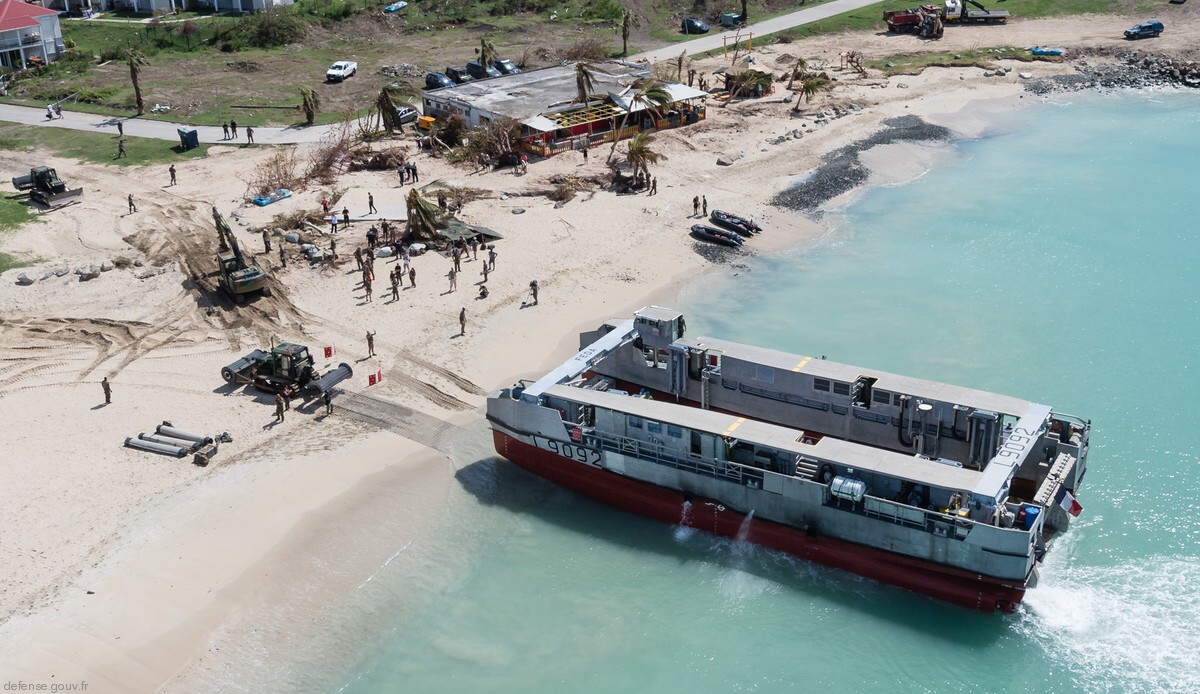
<point x="159" y="130"/>
<point x="714" y="41"/>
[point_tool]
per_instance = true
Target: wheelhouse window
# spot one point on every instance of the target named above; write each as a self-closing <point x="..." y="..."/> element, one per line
<point x="635" y="422"/>
<point x="841" y="388"/>
<point x="653" y="427"/>
<point x="882" y="397"/>
<point x="675" y="431"/>
<point x="821" y="384"/>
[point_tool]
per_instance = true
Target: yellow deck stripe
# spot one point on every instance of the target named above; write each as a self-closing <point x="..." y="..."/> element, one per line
<point x="733" y="426"/>
<point x="802" y="363"/>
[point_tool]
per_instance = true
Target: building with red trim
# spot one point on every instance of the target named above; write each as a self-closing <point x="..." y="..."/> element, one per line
<point x="29" y="35"/>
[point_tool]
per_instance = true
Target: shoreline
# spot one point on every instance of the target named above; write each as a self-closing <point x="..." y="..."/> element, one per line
<point x="170" y="645"/>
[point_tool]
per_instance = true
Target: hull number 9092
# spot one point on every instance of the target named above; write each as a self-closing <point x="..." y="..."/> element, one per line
<point x="568" y="450"/>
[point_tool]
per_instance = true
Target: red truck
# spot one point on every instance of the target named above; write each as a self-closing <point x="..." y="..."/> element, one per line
<point x="907" y="20"/>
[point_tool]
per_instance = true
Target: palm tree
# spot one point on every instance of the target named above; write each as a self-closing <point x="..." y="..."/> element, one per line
<point x="136" y="61"/>
<point x="422" y="216"/>
<point x="811" y="86"/>
<point x="745" y="15"/>
<point x="749" y="80"/>
<point x="386" y="105"/>
<point x="798" y="71"/>
<point x="679" y="65"/>
<point x="310" y="102"/>
<point x="639" y="156"/>
<point x="651" y="94"/>
<point x="487" y="53"/>
<point x="628" y="22"/>
<point x="584" y="82"/>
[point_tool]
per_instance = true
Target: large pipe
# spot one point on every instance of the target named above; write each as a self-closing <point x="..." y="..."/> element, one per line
<point x="156" y="447"/>
<point x="171" y="441"/>
<point x="330" y="379"/>
<point x="168" y="430"/>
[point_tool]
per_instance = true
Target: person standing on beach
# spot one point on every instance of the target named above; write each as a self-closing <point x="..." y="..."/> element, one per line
<point x="346" y="217"/>
<point x="279" y="407"/>
<point x="370" y="343"/>
<point x="367" y="286"/>
<point x="492" y="257"/>
<point x="249" y="135"/>
<point x="453" y="275"/>
<point x="172" y="172"/>
<point x="358" y="258"/>
<point x="696" y="206"/>
<point x="328" y="402"/>
<point x="333" y="221"/>
<point x="233" y="129"/>
<point x="704" y="202"/>
<point x="224" y="130"/>
<point x="333" y="249"/>
<point x="282" y="256"/>
<point x="474" y="247"/>
<point x="413" y="172"/>
<point x="533" y="287"/>
<point x="456" y="254"/>
<point x="132" y="207"/>
<point x="120" y="148"/>
<point x="462" y="322"/>
<point x="485" y="273"/>
<point x="120" y="129"/>
<point x="395" y="286"/>
<point x="371" y="204"/>
<point x="266" y="241"/>
<point x="412" y="277"/>
<point x="107" y="390"/>
<point x="654" y="186"/>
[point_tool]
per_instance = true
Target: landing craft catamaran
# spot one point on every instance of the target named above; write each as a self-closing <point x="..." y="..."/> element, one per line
<point x="947" y="491"/>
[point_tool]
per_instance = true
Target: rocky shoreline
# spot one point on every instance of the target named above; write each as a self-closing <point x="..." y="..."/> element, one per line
<point x="843" y="171"/>
<point x="1102" y="69"/>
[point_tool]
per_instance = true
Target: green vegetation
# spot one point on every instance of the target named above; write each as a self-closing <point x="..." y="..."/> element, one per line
<point x="13" y="213"/>
<point x="979" y="57"/>
<point x="98" y="148"/>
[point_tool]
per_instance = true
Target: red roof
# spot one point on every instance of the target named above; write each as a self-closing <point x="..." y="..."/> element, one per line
<point x="15" y="14"/>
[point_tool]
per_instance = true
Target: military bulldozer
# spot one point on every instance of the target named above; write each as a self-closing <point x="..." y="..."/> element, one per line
<point x="238" y="277"/>
<point x="46" y="188"/>
<point x="287" y="368"/>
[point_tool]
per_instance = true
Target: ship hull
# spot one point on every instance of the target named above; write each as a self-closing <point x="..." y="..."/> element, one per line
<point x="666" y="505"/>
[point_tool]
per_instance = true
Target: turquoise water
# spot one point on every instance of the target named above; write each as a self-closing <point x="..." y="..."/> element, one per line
<point x="1056" y="261"/>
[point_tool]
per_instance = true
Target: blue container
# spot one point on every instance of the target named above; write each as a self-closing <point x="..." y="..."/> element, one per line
<point x="1031" y="516"/>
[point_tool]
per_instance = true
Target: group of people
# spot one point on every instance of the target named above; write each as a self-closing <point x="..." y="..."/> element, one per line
<point x="53" y="111"/>
<point x="700" y="206"/>
<point x="229" y="132"/>
<point x="408" y="173"/>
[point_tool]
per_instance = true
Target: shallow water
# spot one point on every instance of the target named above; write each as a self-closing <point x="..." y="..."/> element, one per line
<point x="1053" y="261"/>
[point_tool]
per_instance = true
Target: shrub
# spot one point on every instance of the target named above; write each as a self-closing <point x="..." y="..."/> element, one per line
<point x="609" y="10"/>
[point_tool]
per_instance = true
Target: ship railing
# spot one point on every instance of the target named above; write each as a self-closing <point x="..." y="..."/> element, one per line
<point x="936" y="522"/>
<point x="662" y="455"/>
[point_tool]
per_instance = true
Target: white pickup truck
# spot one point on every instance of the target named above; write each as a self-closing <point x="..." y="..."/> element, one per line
<point x="341" y="70"/>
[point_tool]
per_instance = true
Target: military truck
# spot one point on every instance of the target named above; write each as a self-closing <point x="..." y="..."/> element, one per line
<point x="288" y="368"/>
<point x="238" y="277"/>
<point x="46" y="188"/>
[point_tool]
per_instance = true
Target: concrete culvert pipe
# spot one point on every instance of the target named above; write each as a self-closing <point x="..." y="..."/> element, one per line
<point x="171" y="441"/>
<point x="181" y="434"/>
<point x="330" y="379"/>
<point x="153" y="447"/>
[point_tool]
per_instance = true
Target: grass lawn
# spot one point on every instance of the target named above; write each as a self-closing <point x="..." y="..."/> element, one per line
<point x="97" y="148"/>
<point x="13" y="213"/>
<point x="979" y="57"/>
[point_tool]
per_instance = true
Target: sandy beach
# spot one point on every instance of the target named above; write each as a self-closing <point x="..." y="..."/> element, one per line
<point x="131" y="571"/>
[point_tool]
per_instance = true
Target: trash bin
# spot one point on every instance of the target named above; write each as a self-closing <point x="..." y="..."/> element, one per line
<point x="188" y="138"/>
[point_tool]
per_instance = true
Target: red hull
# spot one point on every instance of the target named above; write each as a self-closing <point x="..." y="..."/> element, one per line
<point x="665" y="505"/>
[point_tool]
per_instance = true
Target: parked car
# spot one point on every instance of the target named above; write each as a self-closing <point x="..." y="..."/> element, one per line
<point x="694" y="26"/>
<point x="1144" y="30"/>
<point x="480" y="72"/>
<point x="505" y="66"/>
<point x="407" y="114"/>
<point x="436" y="80"/>
<point x="341" y="70"/>
<point x="459" y="75"/>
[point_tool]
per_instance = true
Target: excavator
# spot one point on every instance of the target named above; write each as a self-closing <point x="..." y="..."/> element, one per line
<point x="46" y="188"/>
<point x="238" y="277"/>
